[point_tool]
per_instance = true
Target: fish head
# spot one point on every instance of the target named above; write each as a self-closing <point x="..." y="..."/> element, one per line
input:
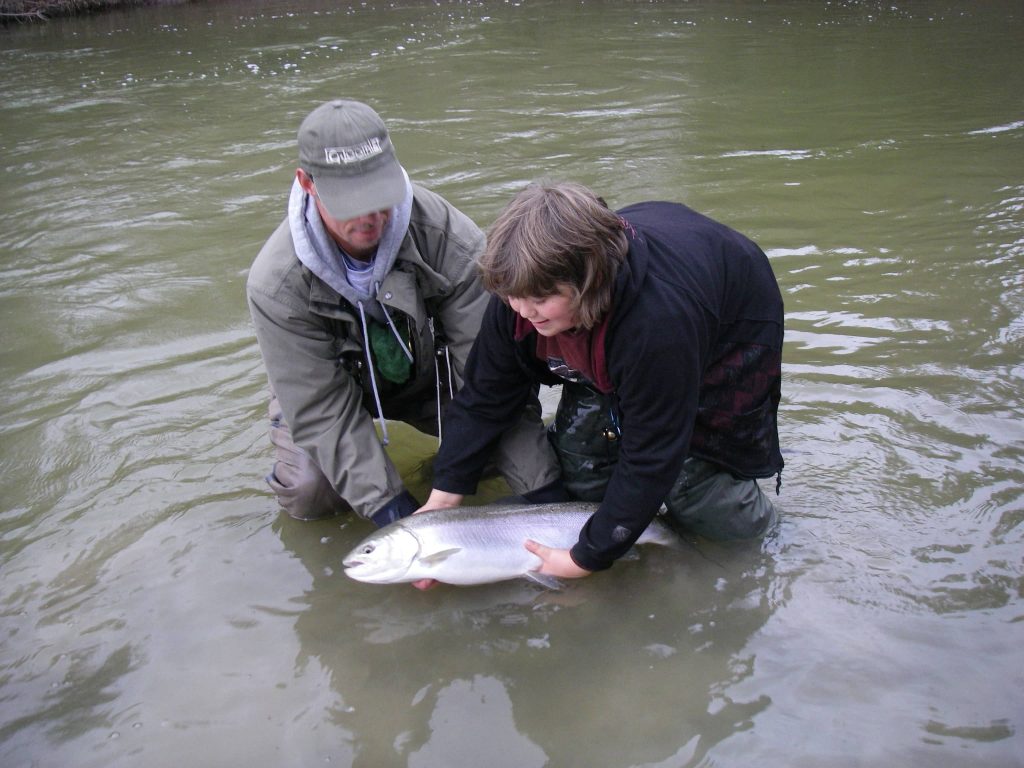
<point x="383" y="557"/>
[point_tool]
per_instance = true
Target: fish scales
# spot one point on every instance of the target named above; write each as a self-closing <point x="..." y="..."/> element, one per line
<point x="474" y="545"/>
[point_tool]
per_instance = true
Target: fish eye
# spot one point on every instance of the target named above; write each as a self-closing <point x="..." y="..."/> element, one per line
<point x="368" y="549"/>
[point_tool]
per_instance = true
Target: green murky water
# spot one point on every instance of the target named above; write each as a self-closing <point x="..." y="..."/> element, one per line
<point x="156" y="610"/>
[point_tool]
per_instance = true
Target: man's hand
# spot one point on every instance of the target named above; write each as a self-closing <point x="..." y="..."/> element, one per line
<point x="556" y="562"/>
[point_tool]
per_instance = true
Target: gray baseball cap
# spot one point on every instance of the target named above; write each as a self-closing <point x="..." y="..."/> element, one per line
<point x="345" y="147"/>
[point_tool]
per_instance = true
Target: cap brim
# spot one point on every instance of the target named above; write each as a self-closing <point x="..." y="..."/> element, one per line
<point x="352" y="196"/>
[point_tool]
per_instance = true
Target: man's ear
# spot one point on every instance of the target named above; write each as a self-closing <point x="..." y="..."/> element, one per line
<point x="305" y="180"/>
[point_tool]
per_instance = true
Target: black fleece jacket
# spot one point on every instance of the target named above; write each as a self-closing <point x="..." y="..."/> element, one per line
<point x="694" y="351"/>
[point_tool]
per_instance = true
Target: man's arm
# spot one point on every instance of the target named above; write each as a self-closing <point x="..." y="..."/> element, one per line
<point x="322" y="404"/>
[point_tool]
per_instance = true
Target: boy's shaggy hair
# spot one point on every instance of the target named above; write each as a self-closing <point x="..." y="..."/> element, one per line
<point x="554" y="236"/>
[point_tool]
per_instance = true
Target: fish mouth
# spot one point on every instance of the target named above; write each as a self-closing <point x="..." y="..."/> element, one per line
<point x="355" y="568"/>
<point x="368" y="575"/>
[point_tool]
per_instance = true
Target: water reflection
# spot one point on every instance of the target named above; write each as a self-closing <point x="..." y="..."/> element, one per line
<point x="512" y="659"/>
<point x="472" y="724"/>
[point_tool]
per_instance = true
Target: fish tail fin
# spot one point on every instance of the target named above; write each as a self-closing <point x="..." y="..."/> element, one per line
<point x="658" y="532"/>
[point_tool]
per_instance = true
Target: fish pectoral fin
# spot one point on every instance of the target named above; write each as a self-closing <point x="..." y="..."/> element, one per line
<point x="436" y="558"/>
<point x="543" y="579"/>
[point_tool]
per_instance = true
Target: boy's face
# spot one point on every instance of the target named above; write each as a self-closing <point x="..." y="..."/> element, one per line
<point x="550" y="315"/>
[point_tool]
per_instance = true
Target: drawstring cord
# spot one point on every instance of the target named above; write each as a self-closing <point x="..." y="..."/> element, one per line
<point x="394" y="330"/>
<point x="373" y="376"/>
<point x="369" y="360"/>
<point x="441" y="351"/>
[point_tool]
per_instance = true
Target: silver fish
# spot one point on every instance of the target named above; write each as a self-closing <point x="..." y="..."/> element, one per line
<point x="475" y="545"/>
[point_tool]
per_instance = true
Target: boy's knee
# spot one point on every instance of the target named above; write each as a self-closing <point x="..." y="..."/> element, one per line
<point x="712" y="503"/>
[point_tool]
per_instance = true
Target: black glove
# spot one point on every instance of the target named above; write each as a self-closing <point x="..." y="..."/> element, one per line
<point x="403" y="505"/>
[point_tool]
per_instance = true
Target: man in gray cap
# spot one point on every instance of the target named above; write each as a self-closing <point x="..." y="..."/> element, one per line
<point x="366" y="302"/>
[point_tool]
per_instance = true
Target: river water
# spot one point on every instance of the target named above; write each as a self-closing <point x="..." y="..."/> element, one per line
<point x="157" y="610"/>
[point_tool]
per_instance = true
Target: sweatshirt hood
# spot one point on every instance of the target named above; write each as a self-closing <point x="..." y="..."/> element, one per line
<point x="318" y="252"/>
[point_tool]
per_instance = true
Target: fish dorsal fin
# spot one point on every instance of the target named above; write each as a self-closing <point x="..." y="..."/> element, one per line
<point x="436" y="558"/>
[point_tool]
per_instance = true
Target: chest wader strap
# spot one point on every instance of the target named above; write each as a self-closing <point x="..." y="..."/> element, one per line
<point x="585" y="435"/>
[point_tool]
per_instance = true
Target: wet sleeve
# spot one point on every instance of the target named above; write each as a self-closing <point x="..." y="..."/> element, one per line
<point x="657" y="377"/>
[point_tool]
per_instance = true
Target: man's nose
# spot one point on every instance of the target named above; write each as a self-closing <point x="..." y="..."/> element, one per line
<point x="372" y="218"/>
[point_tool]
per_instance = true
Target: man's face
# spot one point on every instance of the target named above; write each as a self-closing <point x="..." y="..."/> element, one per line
<point x="359" y="236"/>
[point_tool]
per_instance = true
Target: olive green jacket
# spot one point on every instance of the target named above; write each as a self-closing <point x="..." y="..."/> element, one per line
<point x="311" y="340"/>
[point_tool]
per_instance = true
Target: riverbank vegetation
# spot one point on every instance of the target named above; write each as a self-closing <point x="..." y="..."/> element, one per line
<point x="40" y="10"/>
